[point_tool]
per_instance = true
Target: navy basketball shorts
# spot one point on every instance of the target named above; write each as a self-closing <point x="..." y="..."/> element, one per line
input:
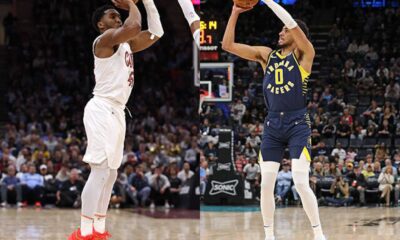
<point x="286" y="129"/>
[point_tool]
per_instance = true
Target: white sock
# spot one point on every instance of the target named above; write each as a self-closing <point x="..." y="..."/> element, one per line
<point x="99" y="223"/>
<point x="86" y="226"/>
<point x="317" y="230"/>
<point x="269" y="230"/>
<point x="188" y="11"/>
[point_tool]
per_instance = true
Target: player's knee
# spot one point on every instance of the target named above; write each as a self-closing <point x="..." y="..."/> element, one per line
<point x="301" y="186"/>
<point x="113" y="175"/>
<point x="266" y="186"/>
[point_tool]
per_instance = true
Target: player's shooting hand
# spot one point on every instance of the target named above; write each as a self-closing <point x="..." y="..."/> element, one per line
<point x="239" y="10"/>
<point x="123" y="4"/>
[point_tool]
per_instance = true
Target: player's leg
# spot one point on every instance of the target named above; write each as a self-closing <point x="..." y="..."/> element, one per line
<point x="300" y="173"/>
<point x="192" y="19"/>
<point x="98" y="177"/>
<point x="269" y="172"/>
<point x="99" y="222"/>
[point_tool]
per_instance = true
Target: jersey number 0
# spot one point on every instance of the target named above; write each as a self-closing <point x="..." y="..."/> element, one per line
<point x="279" y="76"/>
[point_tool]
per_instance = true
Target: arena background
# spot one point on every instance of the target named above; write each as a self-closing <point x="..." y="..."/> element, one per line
<point x="353" y="104"/>
<point x="46" y="80"/>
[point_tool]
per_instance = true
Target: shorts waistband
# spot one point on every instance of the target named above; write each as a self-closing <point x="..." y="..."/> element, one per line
<point x="111" y="102"/>
<point x="287" y="114"/>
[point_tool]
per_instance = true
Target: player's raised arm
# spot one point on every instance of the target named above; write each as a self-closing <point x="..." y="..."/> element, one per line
<point x="253" y="53"/>
<point x="192" y="18"/>
<point x="147" y="38"/>
<point x="126" y="31"/>
<point x="303" y="44"/>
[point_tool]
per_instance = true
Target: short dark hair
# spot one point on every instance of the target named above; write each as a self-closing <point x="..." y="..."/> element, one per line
<point x="98" y="14"/>
<point x="303" y="27"/>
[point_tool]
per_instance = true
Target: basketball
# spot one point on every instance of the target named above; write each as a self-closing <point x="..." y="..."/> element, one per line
<point x="245" y="3"/>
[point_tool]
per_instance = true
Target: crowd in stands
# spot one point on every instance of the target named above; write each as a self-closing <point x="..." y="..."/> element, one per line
<point x="354" y="108"/>
<point x="50" y="80"/>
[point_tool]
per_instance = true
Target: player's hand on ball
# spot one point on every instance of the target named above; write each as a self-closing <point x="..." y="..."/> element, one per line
<point x="239" y="10"/>
<point x="123" y="4"/>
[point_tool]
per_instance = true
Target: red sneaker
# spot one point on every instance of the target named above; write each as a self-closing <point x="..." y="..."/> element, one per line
<point x="38" y="204"/>
<point x="77" y="236"/>
<point x="101" y="236"/>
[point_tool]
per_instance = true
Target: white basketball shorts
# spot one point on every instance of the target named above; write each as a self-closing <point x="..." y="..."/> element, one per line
<point x="105" y="127"/>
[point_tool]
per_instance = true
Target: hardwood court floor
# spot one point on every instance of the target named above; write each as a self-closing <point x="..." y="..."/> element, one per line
<point x="57" y="224"/>
<point x="292" y="224"/>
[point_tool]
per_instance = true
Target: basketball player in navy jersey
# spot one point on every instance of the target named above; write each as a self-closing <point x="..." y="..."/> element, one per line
<point x="287" y="124"/>
<point x="104" y="116"/>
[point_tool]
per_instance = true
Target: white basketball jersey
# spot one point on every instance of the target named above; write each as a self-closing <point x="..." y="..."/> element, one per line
<point x="114" y="75"/>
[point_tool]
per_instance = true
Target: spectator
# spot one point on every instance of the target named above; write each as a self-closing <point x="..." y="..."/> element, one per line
<point x="210" y="151"/>
<point x="358" y="184"/>
<point x="32" y="186"/>
<point x="118" y="196"/>
<point x="353" y="47"/>
<point x="160" y="188"/>
<point x="253" y="140"/>
<point x="329" y="129"/>
<point x="238" y="111"/>
<point x="341" y="193"/>
<point x="392" y="91"/>
<point x="283" y="183"/>
<point x="252" y="173"/>
<point x="359" y="72"/>
<point x="185" y="173"/>
<point x="70" y="191"/>
<point x="191" y="154"/>
<point x="363" y="48"/>
<point x="10" y="184"/>
<point x="382" y="72"/>
<point x="176" y="183"/>
<point x="339" y="151"/>
<point x="343" y="129"/>
<point x="138" y="189"/>
<point x="204" y="172"/>
<point x="50" y="187"/>
<point x="386" y="181"/>
<point x="249" y="151"/>
<point x="62" y="174"/>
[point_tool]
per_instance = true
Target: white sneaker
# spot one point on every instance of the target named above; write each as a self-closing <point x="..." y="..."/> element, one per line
<point x="4" y="204"/>
<point x="152" y="206"/>
<point x="320" y="238"/>
<point x="167" y="206"/>
<point x="269" y="238"/>
<point x="20" y="204"/>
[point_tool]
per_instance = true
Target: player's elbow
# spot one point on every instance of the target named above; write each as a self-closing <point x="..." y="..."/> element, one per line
<point x="227" y="46"/>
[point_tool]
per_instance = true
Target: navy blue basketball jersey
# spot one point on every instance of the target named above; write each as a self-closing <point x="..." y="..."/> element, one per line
<point x="285" y="83"/>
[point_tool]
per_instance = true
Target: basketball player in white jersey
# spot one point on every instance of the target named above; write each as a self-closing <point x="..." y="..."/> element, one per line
<point x="192" y="18"/>
<point x="104" y="116"/>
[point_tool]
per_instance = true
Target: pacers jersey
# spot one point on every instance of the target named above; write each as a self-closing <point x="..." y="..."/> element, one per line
<point x="114" y="75"/>
<point x="285" y="83"/>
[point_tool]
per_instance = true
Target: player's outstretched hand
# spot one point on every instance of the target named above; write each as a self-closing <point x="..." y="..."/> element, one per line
<point x="123" y="4"/>
<point x="239" y="10"/>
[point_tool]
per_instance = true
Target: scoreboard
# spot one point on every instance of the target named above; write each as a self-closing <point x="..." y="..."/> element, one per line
<point x="210" y="45"/>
